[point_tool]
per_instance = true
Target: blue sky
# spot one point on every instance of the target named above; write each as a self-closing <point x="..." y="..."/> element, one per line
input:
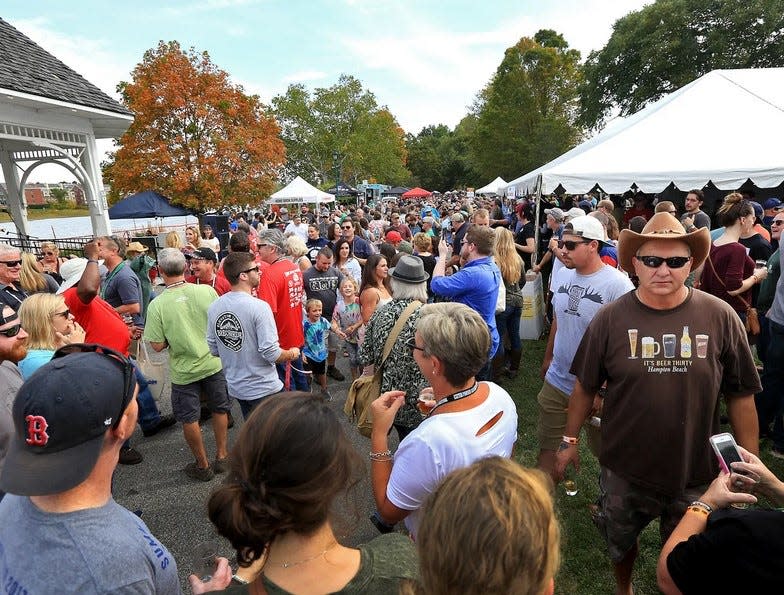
<point x="425" y="60"/>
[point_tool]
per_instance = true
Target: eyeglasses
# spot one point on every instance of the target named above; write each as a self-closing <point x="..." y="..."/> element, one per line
<point x="11" y="331"/>
<point x="11" y="263"/>
<point x="49" y="254"/>
<point x="673" y="262"/>
<point x="129" y="375"/>
<point x="571" y="245"/>
<point x="346" y="227"/>
<point x="411" y="344"/>
<point x="256" y="268"/>
<point x="777" y="222"/>
<point x="261" y="245"/>
<point x="65" y="314"/>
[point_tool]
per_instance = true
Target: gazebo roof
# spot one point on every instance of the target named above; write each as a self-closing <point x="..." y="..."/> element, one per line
<point x="25" y="67"/>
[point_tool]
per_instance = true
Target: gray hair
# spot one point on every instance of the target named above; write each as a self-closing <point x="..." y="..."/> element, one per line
<point x="8" y="249"/>
<point x="408" y="291"/>
<point x="171" y="262"/>
<point x="273" y="237"/>
<point x="457" y="336"/>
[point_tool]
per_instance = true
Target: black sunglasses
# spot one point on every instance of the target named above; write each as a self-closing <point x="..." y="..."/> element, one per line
<point x="129" y="376"/>
<point x="64" y="313"/>
<point x="411" y="344"/>
<point x="347" y="227"/>
<point x="256" y="268"/>
<point x="777" y="222"/>
<point x="571" y="245"/>
<point x="11" y="331"/>
<point x="11" y="263"/>
<point x="673" y="262"/>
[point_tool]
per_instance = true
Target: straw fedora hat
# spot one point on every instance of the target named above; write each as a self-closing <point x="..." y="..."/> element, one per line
<point x="663" y="226"/>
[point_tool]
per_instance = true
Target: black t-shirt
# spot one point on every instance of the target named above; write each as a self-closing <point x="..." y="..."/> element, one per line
<point x="759" y="249"/>
<point x="740" y="551"/>
<point x="528" y="231"/>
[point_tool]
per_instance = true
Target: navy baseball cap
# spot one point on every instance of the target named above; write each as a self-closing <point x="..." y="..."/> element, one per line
<point x="61" y="415"/>
<point x="771" y="203"/>
<point x="203" y="253"/>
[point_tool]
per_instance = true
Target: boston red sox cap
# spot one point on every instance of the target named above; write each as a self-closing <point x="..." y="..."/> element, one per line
<point x="61" y="415"/>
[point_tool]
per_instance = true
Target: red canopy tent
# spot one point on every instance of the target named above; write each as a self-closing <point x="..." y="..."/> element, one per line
<point x="417" y="193"/>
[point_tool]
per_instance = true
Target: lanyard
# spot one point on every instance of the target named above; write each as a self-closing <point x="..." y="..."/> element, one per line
<point x="109" y="277"/>
<point x="455" y="397"/>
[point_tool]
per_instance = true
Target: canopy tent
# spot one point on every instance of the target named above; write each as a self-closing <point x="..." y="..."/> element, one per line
<point x="395" y="191"/>
<point x="299" y="191"/>
<point x="343" y="190"/>
<point x="416" y="193"/>
<point x="497" y="186"/>
<point x="146" y="204"/>
<point x="725" y="127"/>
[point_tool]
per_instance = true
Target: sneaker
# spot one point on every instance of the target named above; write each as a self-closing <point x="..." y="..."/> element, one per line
<point x="333" y="372"/>
<point x="325" y="395"/>
<point x="165" y="421"/>
<point x="130" y="456"/>
<point x="221" y="465"/>
<point x="193" y="471"/>
<point x="776" y="453"/>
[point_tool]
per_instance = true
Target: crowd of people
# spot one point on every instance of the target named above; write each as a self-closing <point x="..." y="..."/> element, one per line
<point x="655" y="322"/>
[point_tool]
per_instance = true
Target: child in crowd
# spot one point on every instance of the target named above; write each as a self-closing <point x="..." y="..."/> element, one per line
<point x="347" y="322"/>
<point x="315" y="352"/>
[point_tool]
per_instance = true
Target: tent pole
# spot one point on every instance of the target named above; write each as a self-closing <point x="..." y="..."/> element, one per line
<point x="538" y="199"/>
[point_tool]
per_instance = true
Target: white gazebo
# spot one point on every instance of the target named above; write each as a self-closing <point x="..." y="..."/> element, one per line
<point x="51" y="114"/>
<point x="497" y="186"/>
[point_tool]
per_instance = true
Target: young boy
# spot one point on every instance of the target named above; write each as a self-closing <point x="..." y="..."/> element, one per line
<point x="315" y="352"/>
<point x="347" y="322"/>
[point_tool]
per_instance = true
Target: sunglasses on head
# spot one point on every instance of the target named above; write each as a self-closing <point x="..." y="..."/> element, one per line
<point x="571" y="245"/>
<point x="673" y="262"/>
<point x="129" y="376"/>
<point x="11" y="263"/>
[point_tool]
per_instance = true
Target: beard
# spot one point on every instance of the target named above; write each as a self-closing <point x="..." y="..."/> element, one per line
<point x="15" y="352"/>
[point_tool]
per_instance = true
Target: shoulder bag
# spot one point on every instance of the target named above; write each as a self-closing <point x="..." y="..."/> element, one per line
<point x="752" y="319"/>
<point x="367" y="388"/>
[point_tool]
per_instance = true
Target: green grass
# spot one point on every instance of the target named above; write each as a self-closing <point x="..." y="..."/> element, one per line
<point x="585" y="565"/>
<point x="47" y="213"/>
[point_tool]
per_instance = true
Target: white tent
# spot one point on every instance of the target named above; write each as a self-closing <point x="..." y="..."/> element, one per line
<point x="299" y="191"/>
<point x="497" y="186"/>
<point x="725" y="127"/>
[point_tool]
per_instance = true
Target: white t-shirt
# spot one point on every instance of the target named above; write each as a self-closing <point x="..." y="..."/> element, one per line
<point x="576" y="300"/>
<point x="445" y="442"/>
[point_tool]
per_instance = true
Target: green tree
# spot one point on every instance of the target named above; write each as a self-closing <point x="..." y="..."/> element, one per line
<point x="526" y="115"/>
<point x="666" y="45"/>
<point x="196" y="138"/>
<point x="438" y="158"/>
<point x="346" y="120"/>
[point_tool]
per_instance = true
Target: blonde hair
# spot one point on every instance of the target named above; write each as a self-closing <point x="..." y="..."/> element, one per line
<point x="510" y="264"/>
<point x="312" y="303"/>
<point x="36" y="314"/>
<point x="488" y="529"/>
<point x="50" y="246"/>
<point x="295" y="246"/>
<point x="173" y="240"/>
<point x="30" y="278"/>
<point x="350" y="279"/>
<point x="422" y="242"/>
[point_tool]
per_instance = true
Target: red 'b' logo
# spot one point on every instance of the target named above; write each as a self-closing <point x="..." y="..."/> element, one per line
<point x="36" y="430"/>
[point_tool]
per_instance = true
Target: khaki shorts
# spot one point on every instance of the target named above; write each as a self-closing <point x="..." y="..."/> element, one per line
<point x="553" y="406"/>
<point x="625" y="509"/>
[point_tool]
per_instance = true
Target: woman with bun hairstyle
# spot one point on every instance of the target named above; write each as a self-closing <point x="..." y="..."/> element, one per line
<point x="729" y="272"/>
<point x="291" y="461"/>
<point x="488" y="529"/>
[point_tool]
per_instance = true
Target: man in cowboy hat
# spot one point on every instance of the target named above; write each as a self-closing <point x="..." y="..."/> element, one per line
<point x="666" y="352"/>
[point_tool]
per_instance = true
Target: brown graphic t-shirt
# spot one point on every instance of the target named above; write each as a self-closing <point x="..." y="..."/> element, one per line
<point x="665" y="371"/>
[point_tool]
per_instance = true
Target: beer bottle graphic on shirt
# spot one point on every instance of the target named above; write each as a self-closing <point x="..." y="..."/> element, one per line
<point x="685" y="343"/>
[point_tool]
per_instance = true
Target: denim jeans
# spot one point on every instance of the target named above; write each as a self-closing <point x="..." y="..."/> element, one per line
<point x="508" y="323"/>
<point x="149" y="415"/>
<point x="298" y="380"/>
<point x="770" y="402"/>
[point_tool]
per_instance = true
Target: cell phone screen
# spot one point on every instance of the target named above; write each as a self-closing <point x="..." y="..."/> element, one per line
<point x="729" y="453"/>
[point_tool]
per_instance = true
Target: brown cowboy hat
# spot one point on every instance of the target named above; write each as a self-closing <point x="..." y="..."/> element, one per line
<point x="663" y="226"/>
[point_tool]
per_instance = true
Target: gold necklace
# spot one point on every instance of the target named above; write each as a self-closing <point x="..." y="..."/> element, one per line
<point x="286" y="564"/>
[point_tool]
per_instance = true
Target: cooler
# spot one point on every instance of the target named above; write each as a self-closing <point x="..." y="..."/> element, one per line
<point x="532" y="318"/>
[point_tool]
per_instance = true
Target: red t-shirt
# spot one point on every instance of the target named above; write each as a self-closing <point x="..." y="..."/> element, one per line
<point x="220" y="284"/>
<point x="101" y="323"/>
<point x="282" y="288"/>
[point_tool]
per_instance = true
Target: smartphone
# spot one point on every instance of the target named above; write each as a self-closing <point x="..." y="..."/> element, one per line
<point x="726" y="451"/>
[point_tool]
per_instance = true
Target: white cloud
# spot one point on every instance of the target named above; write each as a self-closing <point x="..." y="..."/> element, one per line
<point x="304" y="76"/>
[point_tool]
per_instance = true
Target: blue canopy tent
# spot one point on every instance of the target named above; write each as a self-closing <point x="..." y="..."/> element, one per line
<point x="145" y="205"/>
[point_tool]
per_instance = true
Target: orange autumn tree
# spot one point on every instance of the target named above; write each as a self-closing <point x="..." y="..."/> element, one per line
<point x="196" y="137"/>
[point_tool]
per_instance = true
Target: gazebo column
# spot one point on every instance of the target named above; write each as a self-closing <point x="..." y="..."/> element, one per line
<point x="16" y="202"/>
<point x="94" y="190"/>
